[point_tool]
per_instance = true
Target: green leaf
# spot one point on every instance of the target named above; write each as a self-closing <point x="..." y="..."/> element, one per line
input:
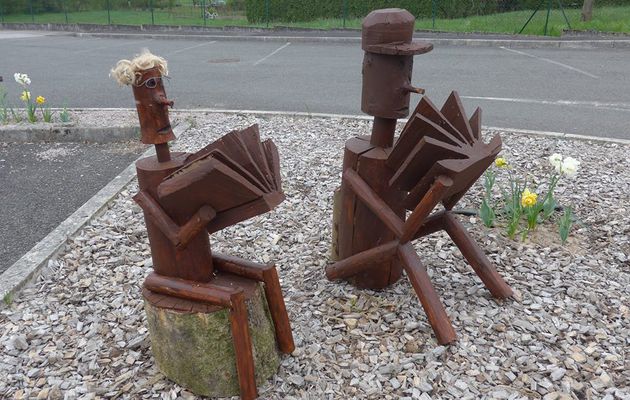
<point x="487" y="214"/>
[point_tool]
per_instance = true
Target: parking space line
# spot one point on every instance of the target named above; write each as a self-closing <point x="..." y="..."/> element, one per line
<point x="591" y="104"/>
<point x="272" y="53"/>
<point x="551" y="62"/>
<point x="190" y="48"/>
<point x="112" y="45"/>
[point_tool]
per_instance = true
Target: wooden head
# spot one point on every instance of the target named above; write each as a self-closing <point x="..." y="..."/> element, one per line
<point x="152" y="105"/>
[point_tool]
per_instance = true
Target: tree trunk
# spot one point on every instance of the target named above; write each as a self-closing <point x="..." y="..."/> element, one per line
<point x="194" y="347"/>
<point x="587" y="10"/>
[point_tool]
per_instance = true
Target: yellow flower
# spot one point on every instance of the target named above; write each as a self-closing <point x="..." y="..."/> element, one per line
<point x="501" y="162"/>
<point x="528" y="198"/>
<point x="40" y="99"/>
<point x="26" y="95"/>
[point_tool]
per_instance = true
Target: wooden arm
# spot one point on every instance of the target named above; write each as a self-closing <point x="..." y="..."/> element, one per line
<point x="423" y="209"/>
<point x="373" y="201"/>
<point x="180" y="237"/>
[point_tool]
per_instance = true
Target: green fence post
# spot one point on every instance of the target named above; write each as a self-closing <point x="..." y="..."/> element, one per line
<point x="345" y="12"/>
<point x="548" y="12"/>
<point x="30" y="4"/>
<point x="152" y="16"/>
<point x="267" y="12"/>
<point x="109" y="15"/>
<point x="65" y="10"/>
<point x="203" y="12"/>
<point x="433" y="12"/>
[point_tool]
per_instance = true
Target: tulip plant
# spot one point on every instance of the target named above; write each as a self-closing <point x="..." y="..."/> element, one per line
<point x="518" y="201"/>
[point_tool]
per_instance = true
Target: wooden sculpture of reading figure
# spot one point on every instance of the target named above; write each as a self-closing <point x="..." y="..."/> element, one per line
<point x="438" y="156"/>
<point x="184" y="197"/>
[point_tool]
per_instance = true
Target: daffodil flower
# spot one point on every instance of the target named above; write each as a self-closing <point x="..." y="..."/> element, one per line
<point x="528" y="199"/>
<point x="569" y="167"/>
<point x="22" y="79"/>
<point x="501" y="162"/>
<point x="40" y="100"/>
<point x="26" y="96"/>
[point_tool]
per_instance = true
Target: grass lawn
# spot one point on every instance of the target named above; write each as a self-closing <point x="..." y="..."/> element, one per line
<point x="605" y="19"/>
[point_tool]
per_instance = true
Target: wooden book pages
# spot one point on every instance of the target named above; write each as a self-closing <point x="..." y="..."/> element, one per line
<point x="237" y="175"/>
<point x="206" y="181"/>
<point x="420" y="160"/>
<point x="454" y="112"/>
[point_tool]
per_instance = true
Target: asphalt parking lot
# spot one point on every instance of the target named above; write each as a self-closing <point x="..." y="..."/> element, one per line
<point x="579" y="91"/>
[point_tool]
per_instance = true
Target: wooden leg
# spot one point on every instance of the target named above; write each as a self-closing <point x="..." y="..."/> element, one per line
<point x="243" y="348"/>
<point x="273" y="292"/>
<point x="357" y="263"/>
<point x="431" y="303"/>
<point x="476" y="257"/>
<point x="278" y="311"/>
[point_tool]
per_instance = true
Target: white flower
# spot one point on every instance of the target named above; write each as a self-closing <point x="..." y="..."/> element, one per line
<point x="22" y="79"/>
<point x="556" y="161"/>
<point x="569" y="167"/>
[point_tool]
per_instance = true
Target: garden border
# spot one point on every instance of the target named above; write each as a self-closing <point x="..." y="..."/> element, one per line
<point x="66" y="133"/>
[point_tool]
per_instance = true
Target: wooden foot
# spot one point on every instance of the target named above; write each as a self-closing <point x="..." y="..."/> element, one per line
<point x="430" y="300"/>
<point x="476" y="257"/>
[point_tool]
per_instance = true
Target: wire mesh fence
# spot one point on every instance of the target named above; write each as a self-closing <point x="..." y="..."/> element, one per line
<point x="506" y="16"/>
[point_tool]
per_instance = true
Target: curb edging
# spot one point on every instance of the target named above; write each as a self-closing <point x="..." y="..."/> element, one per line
<point x="31" y="264"/>
<point x="64" y="133"/>
<point x="509" y="43"/>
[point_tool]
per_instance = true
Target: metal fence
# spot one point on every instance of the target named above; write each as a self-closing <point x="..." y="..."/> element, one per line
<point x="512" y="15"/>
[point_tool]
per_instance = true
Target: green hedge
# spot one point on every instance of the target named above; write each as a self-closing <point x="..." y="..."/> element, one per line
<point x="308" y="10"/>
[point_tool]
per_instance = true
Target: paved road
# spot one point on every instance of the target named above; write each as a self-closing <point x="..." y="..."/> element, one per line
<point x="41" y="184"/>
<point x="572" y="91"/>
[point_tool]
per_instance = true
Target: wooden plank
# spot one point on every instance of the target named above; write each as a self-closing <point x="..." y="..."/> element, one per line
<point x="369" y="230"/>
<point x="429" y="298"/>
<point x="352" y="265"/>
<point x="206" y="182"/>
<point x="221" y="156"/>
<point x="453" y="110"/>
<point x="476" y="257"/>
<point x="353" y="149"/>
<point x="431" y="112"/>
<point x="419" y="127"/>
<point x="250" y="140"/>
<point x="426" y="153"/>
<point x="475" y="124"/>
<point x="245" y="211"/>
<point x="273" y="160"/>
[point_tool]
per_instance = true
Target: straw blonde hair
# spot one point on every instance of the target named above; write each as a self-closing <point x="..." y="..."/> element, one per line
<point x="127" y="72"/>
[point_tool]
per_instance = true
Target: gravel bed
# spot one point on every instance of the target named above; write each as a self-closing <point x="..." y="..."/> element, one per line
<point x="80" y="331"/>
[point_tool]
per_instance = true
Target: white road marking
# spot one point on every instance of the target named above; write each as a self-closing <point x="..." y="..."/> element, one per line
<point x="19" y="35"/>
<point x="189" y="48"/>
<point x="112" y="45"/>
<point x="591" y="104"/>
<point x="552" y="62"/>
<point x="271" y="54"/>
